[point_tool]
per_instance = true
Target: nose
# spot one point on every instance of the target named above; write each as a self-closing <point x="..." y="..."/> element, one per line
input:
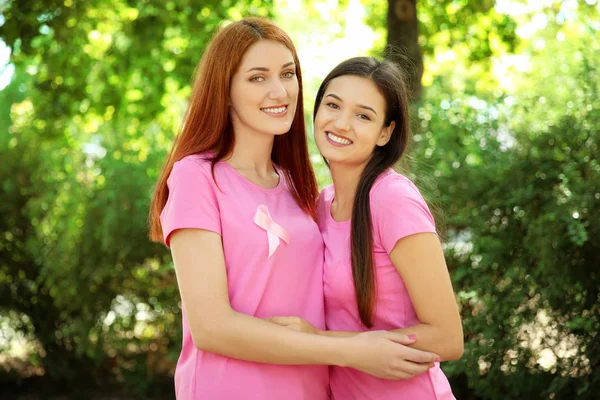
<point x="342" y="122"/>
<point x="277" y="90"/>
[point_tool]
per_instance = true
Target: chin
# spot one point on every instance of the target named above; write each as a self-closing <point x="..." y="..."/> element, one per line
<point x="275" y="131"/>
<point x="280" y="129"/>
<point x="331" y="156"/>
<point x="335" y="155"/>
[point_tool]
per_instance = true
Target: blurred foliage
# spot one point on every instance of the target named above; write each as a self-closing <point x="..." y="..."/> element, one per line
<point x="513" y="158"/>
<point x="506" y="140"/>
<point x="97" y="96"/>
<point x="475" y="29"/>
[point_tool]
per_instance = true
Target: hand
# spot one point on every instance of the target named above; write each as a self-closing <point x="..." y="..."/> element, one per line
<point x="385" y="355"/>
<point x="295" y="323"/>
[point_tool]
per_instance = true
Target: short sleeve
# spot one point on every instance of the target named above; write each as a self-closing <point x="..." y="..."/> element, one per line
<point x="322" y="207"/>
<point x="192" y="202"/>
<point x="399" y="211"/>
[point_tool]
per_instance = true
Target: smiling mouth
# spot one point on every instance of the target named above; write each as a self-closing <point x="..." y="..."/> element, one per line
<point x="338" y="139"/>
<point x="275" y="110"/>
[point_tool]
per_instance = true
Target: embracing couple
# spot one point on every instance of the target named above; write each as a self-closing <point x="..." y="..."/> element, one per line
<point x="288" y="293"/>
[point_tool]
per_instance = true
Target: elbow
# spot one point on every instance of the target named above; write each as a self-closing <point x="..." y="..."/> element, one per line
<point x="450" y="341"/>
<point x="207" y="336"/>
<point x="456" y="350"/>
<point x="455" y="341"/>
<point x="201" y="339"/>
<point x="455" y="346"/>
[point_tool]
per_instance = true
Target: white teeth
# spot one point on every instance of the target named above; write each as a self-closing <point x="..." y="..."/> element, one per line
<point x="338" y="139"/>
<point x="277" y="110"/>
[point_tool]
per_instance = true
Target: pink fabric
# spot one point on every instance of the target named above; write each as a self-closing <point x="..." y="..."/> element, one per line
<point x="274" y="231"/>
<point x="288" y="282"/>
<point x="397" y="210"/>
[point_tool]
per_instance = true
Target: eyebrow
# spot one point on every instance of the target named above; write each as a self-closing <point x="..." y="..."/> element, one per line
<point x="267" y="69"/>
<point x="358" y="105"/>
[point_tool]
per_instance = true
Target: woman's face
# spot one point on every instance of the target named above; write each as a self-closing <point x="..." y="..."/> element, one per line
<point x="350" y="120"/>
<point x="264" y="90"/>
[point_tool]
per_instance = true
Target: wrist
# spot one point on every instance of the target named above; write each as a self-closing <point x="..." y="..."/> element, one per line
<point x="345" y="352"/>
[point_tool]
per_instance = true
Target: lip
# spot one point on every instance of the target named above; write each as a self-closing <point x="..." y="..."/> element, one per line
<point x="336" y="144"/>
<point x="283" y="114"/>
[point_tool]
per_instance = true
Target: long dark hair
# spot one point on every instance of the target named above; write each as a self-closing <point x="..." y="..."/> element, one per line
<point x="207" y="124"/>
<point x="391" y="83"/>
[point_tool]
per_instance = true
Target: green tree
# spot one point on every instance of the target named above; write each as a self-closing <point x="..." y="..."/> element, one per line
<point x="96" y="99"/>
<point x="505" y="140"/>
<point x="416" y="28"/>
<point x="512" y="156"/>
<point x="403" y="34"/>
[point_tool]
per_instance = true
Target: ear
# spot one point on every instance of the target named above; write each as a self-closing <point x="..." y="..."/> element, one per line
<point x="386" y="134"/>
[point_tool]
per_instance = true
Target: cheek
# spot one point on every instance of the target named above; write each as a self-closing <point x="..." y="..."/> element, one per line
<point x="367" y="139"/>
<point x="246" y="97"/>
<point x="293" y="89"/>
<point x="319" y="121"/>
<point x="237" y="96"/>
<point x="236" y="90"/>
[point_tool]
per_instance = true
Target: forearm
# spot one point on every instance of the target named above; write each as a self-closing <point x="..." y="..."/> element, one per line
<point x="435" y="339"/>
<point x="429" y="338"/>
<point x="338" y="334"/>
<point x="248" y="338"/>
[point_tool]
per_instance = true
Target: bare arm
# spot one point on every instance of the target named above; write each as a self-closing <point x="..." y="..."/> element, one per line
<point x="217" y="328"/>
<point x="420" y="261"/>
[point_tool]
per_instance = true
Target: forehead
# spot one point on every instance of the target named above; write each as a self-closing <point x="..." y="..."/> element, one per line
<point x="266" y="53"/>
<point x="353" y="89"/>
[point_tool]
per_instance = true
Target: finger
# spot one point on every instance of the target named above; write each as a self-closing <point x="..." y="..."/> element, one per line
<point x="280" y="320"/>
<point x="401" y="338"/>
<point x="411" y="368"/>
<point x="418" y="356"/>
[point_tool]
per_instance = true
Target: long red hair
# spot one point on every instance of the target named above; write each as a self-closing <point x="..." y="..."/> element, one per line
<point x="207" y="125"/>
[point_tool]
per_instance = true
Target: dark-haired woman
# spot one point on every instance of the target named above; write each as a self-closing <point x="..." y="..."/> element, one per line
<point x="384" y="265"/>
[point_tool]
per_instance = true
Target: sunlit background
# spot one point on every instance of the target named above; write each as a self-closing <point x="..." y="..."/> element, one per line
<point x="506" y="135"/>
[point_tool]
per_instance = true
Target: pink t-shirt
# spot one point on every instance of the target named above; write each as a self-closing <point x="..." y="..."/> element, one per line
<point x="289" y="282"/>
<point x="397" y="211"/>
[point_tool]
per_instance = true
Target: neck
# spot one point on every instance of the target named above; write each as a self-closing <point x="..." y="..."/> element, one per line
<point x="252" y="152"/>
<point x="345" y="182"/>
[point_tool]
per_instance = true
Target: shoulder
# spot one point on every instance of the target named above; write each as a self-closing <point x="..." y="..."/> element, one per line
<point x="324" y="199"/>
<point x="326" y="194"/>
<point x="194" y="161"/>
<point x="398" y="209"/>
<point x="193" y="170"/>
<point x="393" y="187"/>
<point x="191" y="165"/>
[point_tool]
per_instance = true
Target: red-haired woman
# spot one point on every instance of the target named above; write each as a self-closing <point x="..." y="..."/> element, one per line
<point x="236" y="204"/>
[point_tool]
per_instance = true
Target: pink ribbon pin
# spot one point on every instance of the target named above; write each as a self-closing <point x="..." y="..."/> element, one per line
<point x="262" y="218"/>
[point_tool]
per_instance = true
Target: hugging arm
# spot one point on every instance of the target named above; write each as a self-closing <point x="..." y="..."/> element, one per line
<point x="217" y="328"/>
<point x="420" y="261"/>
